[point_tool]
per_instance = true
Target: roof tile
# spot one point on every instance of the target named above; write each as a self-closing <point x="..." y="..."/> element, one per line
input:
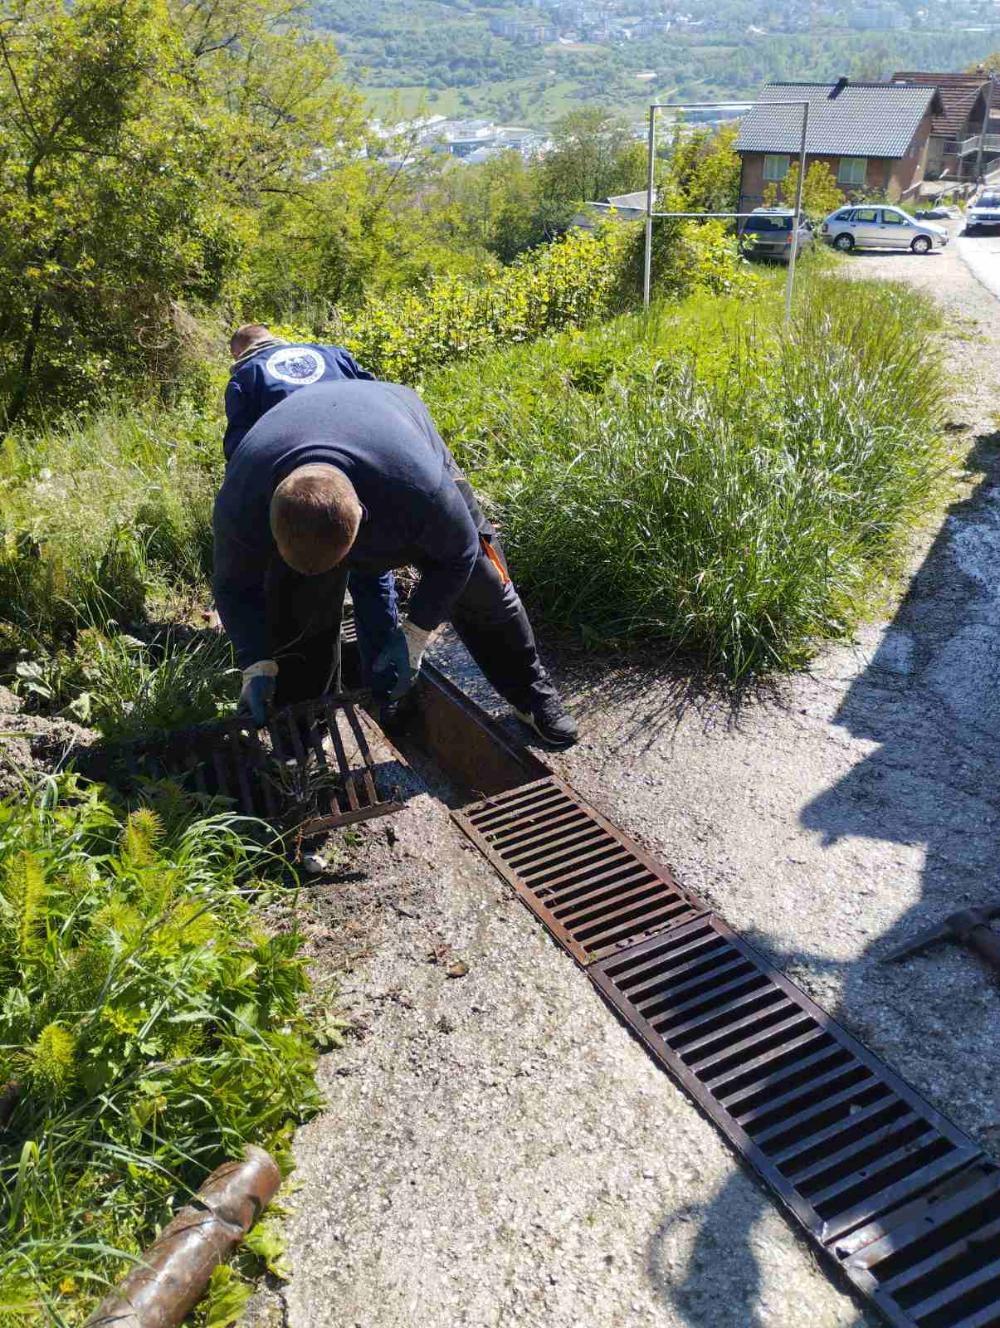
<point x="860" y="119"/>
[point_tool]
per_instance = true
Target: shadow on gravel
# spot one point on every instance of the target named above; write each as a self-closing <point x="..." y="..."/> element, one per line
<point x="930" y="699"/>
<point x="682" y="688"/>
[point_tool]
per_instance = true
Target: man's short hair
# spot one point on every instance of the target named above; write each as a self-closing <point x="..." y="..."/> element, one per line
<point x="246" y="336"/>
<point x="315" y="515"/>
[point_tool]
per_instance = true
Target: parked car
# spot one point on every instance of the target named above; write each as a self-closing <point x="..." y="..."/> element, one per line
<point x="874" y="226"/>
<point x="767" y="233"/>
<point x="984" y="213"/>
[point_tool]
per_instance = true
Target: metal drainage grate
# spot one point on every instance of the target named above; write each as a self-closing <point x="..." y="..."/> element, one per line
<point x="593" y="887"/>
<point x="935" y="1262"/>
<point x="845" y="1143"/>
<point x="310" y="768"/>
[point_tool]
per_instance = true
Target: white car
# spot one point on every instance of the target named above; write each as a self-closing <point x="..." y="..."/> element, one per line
<point x="875" y="226"/>
<point x="984" y="212"/>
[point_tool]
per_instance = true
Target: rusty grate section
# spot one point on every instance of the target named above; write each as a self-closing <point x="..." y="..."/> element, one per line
<point x="311" y="768"/>
<point x="935" y="1262"/>
<point x="594" y="889"/>
<point x="904" y="1201"/>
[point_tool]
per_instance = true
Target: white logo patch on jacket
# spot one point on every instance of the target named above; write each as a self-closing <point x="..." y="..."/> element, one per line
<point x="296" y="364"/>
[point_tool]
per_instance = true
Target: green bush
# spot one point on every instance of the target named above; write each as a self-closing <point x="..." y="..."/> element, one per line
<point x="584" y="277"/>
<point x="728" y="490"/>
<point x="153" y="1027"/>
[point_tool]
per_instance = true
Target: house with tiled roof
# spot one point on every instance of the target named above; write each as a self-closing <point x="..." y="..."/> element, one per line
<point x="873" y="136"/>
<point x="966" y="102"/>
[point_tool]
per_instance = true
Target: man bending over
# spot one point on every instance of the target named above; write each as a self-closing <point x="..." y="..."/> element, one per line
<point x="267" y="369"/>
<point x="353" y="476"/>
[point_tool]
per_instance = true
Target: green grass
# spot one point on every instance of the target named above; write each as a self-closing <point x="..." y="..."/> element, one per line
<point x="100" y="517"/>
<point x="124" y="687"/>
<point x="697" y="479"/>
<point x="153" y="1026"/>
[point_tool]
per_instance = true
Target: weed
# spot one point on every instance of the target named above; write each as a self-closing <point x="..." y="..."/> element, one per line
<point x="124" y="687"/>
<point x="153" y="1027"/>
<point x="728" y="490"/>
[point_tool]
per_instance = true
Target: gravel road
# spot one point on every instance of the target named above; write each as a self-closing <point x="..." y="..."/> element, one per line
<point x="496" y="1149"/>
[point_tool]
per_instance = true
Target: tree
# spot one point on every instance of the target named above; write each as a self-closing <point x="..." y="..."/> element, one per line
<point x="143" y="146"/>
<point x="594" y="155"/>
<point x="820" y="192"/>
<point x="106" y="206"/>
<point x="704" y="169"/>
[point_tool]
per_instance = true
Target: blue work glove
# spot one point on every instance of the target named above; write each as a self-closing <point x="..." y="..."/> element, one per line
<point x="257" y="696"/>
<point x="395" y="667"/>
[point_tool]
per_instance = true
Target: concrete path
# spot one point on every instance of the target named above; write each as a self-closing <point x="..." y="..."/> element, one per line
<point x="497" y="1150"/>
<point x="981" y="254"/>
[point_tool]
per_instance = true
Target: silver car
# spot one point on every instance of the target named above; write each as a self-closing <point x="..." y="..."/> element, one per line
<point x="875" y="226"/>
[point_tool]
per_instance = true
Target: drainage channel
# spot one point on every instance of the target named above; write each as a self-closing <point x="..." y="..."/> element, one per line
<point x="310" y="768"/>
<point x="901" y="1200"/>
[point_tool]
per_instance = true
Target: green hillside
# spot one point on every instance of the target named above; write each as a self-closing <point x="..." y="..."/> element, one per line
<point x="408" y="55"/>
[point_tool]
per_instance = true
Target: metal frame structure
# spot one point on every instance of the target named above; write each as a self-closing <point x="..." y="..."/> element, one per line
<point x="654" y="107"/>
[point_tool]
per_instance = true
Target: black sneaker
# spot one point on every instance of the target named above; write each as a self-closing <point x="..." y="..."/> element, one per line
<point x="551" y="721"/>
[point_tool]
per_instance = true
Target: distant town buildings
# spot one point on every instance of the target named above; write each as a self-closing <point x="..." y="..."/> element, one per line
<point x="471" y="141"/>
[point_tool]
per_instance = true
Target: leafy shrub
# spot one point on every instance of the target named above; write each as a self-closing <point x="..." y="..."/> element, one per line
<point x="153" y="1027"/>
<point x="686" y="256"/>
<point x="572" y="282"/>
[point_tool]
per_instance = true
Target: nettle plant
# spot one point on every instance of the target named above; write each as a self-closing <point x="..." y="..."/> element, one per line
<point x="152" y="1028"/>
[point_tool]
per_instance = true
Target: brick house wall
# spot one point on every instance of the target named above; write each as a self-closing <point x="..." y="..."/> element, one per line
<point x="896" y="178"/>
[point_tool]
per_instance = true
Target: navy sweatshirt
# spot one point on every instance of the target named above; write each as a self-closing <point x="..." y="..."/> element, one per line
<point x="384" y="440"/>
<point x="263" y="378"/>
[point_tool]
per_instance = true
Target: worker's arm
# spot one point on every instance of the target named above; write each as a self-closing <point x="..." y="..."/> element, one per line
<point x="450" y="543"/>
<point x="241" y="415"/>
<point x="348" y="365"/>
<point x="238" y="583"/>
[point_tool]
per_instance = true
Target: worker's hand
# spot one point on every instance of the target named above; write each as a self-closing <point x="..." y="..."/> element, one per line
<point x="257" y="696"/>
<point x="395" y="667"/>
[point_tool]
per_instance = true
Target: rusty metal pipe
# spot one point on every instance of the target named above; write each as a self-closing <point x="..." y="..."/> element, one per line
<point x="163" y="1289"/>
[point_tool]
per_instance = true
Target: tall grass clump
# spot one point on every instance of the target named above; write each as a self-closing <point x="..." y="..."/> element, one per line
<point x="739" y="499"/>
<point x="152" y="1026"/>
<point x="97" y="514"/>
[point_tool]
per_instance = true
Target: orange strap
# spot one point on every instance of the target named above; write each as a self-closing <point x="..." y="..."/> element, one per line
<point x="494" y="558"/>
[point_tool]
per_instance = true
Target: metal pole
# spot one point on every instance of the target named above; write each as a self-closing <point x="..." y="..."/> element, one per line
<point x="982" y="133"/>
<point x="647" y="259"/>
<point x="797" y="219"/>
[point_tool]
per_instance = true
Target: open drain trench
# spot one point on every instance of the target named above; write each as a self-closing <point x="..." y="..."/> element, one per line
<point x="904" y="1202"/>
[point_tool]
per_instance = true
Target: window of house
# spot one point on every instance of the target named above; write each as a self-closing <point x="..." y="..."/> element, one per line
<point x="776" y="167"/>
<point x="852" y="170"/>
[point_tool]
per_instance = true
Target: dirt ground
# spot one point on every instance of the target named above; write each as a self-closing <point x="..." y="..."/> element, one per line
<point x="497" y="1150"/>
<point x="33" y="744"/>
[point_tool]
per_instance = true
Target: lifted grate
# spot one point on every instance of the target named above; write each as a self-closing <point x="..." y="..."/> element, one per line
<point x="594" y="889"/>
<point x="904" y="1201"/>
<point x="311" y="768"/>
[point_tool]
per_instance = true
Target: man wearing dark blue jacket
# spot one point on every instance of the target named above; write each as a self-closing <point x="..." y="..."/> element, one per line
<point x="267" y="369"/>
<point x="353" y="476"/>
